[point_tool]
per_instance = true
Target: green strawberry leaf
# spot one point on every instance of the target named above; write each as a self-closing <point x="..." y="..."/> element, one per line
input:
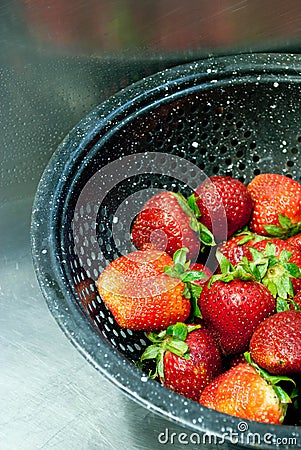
<point x="194" y="225"/>
<point x="262" y="269"/>
<point x="248" y="236"/>
<point x="270" y="284"/>
<point x="180" y="264"/>
<point x="245" y="239"/>
<point x="224" y="264"/>
<point x="276" y="231"/>
<point x="195" y="292"/>
<point x="295" y="305"/>
<point x="282" y="395"/>
<point x="151" y="352"/>
<point x="257" y="267"/>
<point x="285" y="256"/>
<point x="156" y="337"/>
<point x="183" y="204"/>
<point x="186" y="292"/>
<point x="189" y="206"/>
<point x="296" y="392"/>
<point x="192" y="202"/>
<point x="284" y="221"/>
<point x="180" y="256"/>
<point x="178" y="331"/>
<point x="259" y="272"/>
<point x="285" y="229"/>
<point x="285" y="304"/>
<point x="206" y="237"/>
<point x="257" y="255"/>
<point x="193" y="275"/>
<point x="282" y="304"/>
<point x="171" y="272"/>
<point x="193" y="327"/>
<point x="273" y="261"/>
<point x="275" y="273"/>
<point x="279" y="284"/>
<point x="293" y="270"/>
<point x="160" y="365"/>
<point x="270" y="249"/>
<point x="177" y="347"/>
<point x="229" y="272"/>
<point x="179" y="269"/>
<point x="172" y="339"/>
<point x="284" y="286"/>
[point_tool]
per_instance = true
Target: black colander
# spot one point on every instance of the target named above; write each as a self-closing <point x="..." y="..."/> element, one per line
<point x="237" y="115"/>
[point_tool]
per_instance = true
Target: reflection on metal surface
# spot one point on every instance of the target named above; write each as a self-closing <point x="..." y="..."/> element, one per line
<point x="168" y="25"/>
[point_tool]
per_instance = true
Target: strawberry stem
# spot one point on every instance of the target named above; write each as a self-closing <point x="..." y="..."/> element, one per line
<point x="230" y="272"/>
<point x="274" y="272"/>
<point x="172" y="339"/>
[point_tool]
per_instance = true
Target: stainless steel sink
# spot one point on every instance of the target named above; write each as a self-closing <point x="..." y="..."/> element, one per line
<point x="57" y="62"/>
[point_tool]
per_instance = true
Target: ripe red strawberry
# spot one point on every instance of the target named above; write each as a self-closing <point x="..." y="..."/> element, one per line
<point x="234" y="309"/>
<point x="86" y="292"/>
<point x="140" y="295"/>
<point x="187" y="358"/>
<point x="238" y="245"/>
<point x="277" y="205"/>
<point x="243" y="392"/>
<point x="295" y="241"/>
<point x="234" y="360"/>
<point x="225" y="205"/>
<point x="276" y="343"/>
<point x="168" y="223"/>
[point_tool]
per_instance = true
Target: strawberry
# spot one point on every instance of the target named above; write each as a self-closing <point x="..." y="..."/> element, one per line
<point x="168" y="223"/>
<point x="244" y="392"/>
<point x="148" y="290"/>
<point x="276" y="343"/>
<point x="225" y="205"/>
<point x="87" y="293"/>
<point x="187" y="358"/>
<point x="277" y="205"/>
<point x="234" y="360"/>
<point x="139" y="294"/>
<point x="237" y="246"/>
<point x="234" y="307"/>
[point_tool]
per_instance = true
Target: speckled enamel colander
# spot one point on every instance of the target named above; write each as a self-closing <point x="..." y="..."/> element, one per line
<point x="238" y="115"/>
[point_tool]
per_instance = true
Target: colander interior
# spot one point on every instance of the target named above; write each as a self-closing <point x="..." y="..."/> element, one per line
<point x="240" y="129"/>
<point x="236" y="116"/>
